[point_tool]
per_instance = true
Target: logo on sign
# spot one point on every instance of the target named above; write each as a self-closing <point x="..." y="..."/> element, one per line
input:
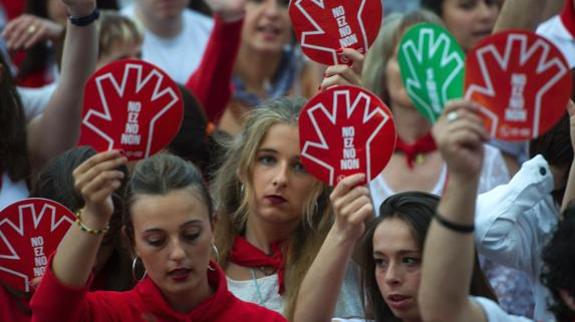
<point x="323" y="27"/>
<point x="111" y="90"/>
<point x="431" y="46"/>
<point x="30" y="217"/>
<point x="494" y="62"/>
<point x="331" y="119"/>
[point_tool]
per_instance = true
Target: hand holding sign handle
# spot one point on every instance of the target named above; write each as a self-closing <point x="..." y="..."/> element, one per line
<point x="96" y="179"/>
<point x="344" y="74"/>
<point x="460" y="135"/>
<point x="352" y="206"/>
<point x="228" y="10"/>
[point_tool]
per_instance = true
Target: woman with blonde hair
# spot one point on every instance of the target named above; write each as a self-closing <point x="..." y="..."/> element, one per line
<point x="273" y="215"/>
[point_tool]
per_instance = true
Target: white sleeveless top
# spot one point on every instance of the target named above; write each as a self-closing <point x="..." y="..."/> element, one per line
<point x="494" y="173"/>
<point x="11" y="191"/>
<point x="262" y="291"/>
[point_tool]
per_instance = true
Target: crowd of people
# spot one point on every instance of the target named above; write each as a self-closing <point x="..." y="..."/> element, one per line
<point x="226" y="224"/>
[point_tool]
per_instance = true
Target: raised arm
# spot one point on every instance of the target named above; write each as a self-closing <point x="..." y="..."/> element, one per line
<point x="570" y="185"/>
<point x="321" y="286"/>
<point x="211" y="82"/>
<point x="449" y="246"/>
<point x="57" y="129"/>
<point x="525" y="14"/>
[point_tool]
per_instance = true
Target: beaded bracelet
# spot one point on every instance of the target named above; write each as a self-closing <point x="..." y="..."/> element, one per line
<point x="459" y="228"/>
<point x="89" y="230"/>
<point x="85" y="20"/>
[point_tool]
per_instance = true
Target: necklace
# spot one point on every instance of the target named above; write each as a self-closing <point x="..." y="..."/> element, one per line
<point x="258" y="292"/>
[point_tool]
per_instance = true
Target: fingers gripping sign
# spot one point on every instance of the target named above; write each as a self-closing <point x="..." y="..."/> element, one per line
<point x="133" y="106"/>
<point x="460" y="135"/>
<point x="352" y="205"/>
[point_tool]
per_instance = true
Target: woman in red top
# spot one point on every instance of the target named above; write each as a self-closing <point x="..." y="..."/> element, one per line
<point x="169" y="227"/>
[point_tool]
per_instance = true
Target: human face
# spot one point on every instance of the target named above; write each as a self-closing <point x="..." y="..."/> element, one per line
<point x="120" y="50"/>
<point x="158" y="10"/>
<point x="397" y="267"/>
<point x="470" y="20"/>
<point x="173" y="235"/>
<point x="267" y="25"/>
<point x="280" y="183"/>
<point x="397" y="92"/>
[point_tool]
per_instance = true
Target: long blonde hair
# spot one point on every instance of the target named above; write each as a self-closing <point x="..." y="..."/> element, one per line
<point x="233" y="191"/>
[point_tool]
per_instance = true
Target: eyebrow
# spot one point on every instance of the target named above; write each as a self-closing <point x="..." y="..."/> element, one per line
<point x="401" y="252"/>
<point x="184" y="225"/>
<point x="267" y="150"/>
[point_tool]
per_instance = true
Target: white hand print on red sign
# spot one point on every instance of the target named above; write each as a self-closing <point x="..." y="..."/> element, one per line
<point x="131" y="105"/>
<point x="345" y="130"/>
<point x="323" y="27"/>
<point x="30" y="230"/>
<point x="522" y="81"/>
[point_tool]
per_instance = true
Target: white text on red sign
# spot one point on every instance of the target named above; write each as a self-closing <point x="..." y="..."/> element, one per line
<point x="40" y="259"/>
<point x="346" y="37"/>
<point x="131" y="134"/>
<point x="349" y="161"/>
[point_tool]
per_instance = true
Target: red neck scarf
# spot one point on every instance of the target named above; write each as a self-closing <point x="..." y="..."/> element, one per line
<point x="568" y="17"/>
<point x="245" y="254"/>
<point x="423" y="145"/>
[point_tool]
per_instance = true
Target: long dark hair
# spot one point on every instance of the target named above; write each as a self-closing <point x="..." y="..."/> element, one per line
<point x="416" y="209"/>
<point x="13" y="144"/>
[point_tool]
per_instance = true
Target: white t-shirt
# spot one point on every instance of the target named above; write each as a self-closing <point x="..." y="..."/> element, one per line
<point x="178" y="56"/>
<point x="35" y="100"/>
<point x="262" y="291"/>
<point x="494" y="313"/>
<point x="555" y="32"/>
<point x="494" y="173"/>
<point x="11" y="191"/>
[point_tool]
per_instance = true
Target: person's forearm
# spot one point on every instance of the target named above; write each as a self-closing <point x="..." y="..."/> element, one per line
<point x="569" y="189"/>
<point x="448" y="255"/>
<point x="520" y="14"/>
<point x="59" y="126"/>
<point x="321" y="286"/>
<point x="76" y="254"/>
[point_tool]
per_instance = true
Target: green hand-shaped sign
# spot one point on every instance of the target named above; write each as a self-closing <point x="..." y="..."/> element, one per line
<point x="432" y="67"/>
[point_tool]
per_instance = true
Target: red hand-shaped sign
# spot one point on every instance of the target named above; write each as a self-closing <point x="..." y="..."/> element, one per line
<point x="131" y="105"/>
<point x="30" y="230"/>
<point x="323" y="27"/>
<point x="345" y="130"/>
<point x="522" y="81"/>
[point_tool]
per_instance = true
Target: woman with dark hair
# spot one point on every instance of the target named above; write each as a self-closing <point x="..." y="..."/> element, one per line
<point x="55" y="181"/>
<point x="168" y="224"/>
<point x="390" y="252"/>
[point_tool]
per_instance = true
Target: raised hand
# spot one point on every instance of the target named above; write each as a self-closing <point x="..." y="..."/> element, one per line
<point x="352" y="206"/>
<point x="28" y="30"/>
<point x="228" y="10"/>
<point x="344" y="74"/>
<point x="459" y="134"/>
<point x="96" y="179"/>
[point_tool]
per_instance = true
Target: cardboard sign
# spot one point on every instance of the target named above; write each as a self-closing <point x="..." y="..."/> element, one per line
<point x="522" y="81"/>
<point x="30" y="231"/>
<point x="324" y="27"/>
<point x="345" y="130"/>
<point x="432" y="67"/>
<point x="133" y="106"/>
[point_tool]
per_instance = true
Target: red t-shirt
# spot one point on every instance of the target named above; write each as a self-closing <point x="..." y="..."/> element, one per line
<point x="53" y="301"/>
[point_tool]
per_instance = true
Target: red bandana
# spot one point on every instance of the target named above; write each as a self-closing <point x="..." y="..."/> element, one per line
<point x="245" y="254"/>
<point x="568" y="17"/>
<point x="423" y="145"/>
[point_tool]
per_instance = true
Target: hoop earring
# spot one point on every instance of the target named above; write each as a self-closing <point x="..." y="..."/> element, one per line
<point x="134" y="263"/>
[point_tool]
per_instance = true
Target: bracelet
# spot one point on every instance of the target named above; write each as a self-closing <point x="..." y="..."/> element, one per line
<point x="85" y="20"/>
<point x="463" y="229"/>
<point x="87" y="229"/>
